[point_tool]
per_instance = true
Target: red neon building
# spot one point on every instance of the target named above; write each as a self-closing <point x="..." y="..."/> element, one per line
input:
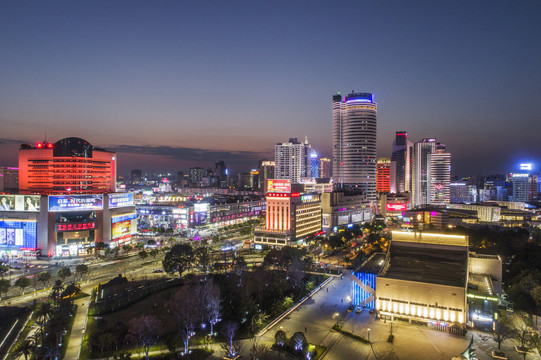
<point x="383" y="175"/>
<point x="69" y="166"/>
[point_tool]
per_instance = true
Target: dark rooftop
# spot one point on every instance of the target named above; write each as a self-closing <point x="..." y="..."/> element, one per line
<point x="429" y="263"/>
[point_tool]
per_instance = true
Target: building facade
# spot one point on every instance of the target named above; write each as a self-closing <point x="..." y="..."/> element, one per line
<point x="324" y="168"/>
<point x="383" y="175"/>
<point x="439" y="176"/>
<point x="69" y="166"/>
<point x="354" y="142"/>
<point x="401" y="163"/>
<point x="293" y="160"/>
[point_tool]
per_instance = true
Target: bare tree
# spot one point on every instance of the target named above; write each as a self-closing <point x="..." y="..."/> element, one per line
<point x="187" y="312"/>
<point x="501" y="331"/>
<point x="212" y="300"/>
<point x="145" y="331"/>
<point x="231" y="346"/>
<point x="259" y="351"/>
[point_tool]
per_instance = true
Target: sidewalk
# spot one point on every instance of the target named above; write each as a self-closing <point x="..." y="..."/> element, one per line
<point x="77" y="331"/>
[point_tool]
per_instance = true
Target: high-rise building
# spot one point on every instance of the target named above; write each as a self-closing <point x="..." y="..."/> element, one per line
<point x="324" y="168"/>
<point x="440" y="176"/>
<point x="354" y="142"/>
<point x="69" y="166"/>
<point x="9" y="179"/>
<point x="525" y="186"/>
<point x="314" y="164"/>
<point x="292" y="160"/>
<point x="136" y="176"/>
<point x="383" y="175"/>
<point x="421" y="164"/>
<point x="266" y="171"/>
<point x="463" y="193"/>
<point x="196" y="175"/>
<point x="401" y="163"/>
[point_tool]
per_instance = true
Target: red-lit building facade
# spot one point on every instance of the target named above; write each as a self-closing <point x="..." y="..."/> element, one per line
<point x="66" y="202"/>
<point x="383" y="175"/>
<point x="69" y="166"/>
<point x="291" y="215"/>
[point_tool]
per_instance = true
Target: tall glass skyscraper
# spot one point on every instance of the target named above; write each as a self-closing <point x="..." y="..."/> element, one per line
<point x="354" y="142"/>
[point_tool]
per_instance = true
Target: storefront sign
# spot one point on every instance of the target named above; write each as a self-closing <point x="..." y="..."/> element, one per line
<point x="75" y="202"/>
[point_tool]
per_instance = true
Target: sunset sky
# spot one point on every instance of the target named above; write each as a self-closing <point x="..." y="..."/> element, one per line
<point x="175" y="84"/>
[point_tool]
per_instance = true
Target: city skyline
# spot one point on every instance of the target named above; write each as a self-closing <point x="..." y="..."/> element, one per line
<point x="169" y="86"/>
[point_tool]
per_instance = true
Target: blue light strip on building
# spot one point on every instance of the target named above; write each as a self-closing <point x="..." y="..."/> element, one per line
<point x="358" y="294"/>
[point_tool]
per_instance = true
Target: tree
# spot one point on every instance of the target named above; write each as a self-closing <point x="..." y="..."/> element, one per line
<point x="231" y="346"/>
<point x="501" y="331"/>
<point x="145" y="331"/>
<point x="298" y="341"/>
<point x="280" y="338"/>
<point x="212" y="301"/>
<point x="81" y="270"/>
<point x="56" y="291"/>
<point x="140" y="246"/>
<point x="127" y="248"/>
<point x="5" y="284"/>
<point x="25" y="348"/>
<point x="122" y="356"/>
<point x="204" y="258"/>
<point x="22" y="282"/>
<point x="4" y="269"/>
<point x="154" y="253"/>
<point x="43" y="313"/>
<point x="143" y="254"/>
<point x="44" y="277"/>
<point x="178" y="259"/>
<point x="188" y="312"/>
<point x="63" y="273"/>
<point x="259" y="351"/>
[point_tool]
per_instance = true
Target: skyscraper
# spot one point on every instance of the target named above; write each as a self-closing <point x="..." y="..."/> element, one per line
<point x="293" y="160"/>
<point x="266" y="171"/>
<point x="354" y="142"/>
<point x="440" y="176"/>
<point x="421" y="183"/>
<point x="383" y="175"/>
<point x="401" y="163"/>
<point x="324" y="168"/>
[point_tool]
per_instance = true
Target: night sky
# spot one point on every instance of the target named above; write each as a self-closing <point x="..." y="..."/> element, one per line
<point x="175" y="84"/>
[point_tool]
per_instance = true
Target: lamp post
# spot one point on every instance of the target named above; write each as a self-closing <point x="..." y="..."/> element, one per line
<point x="369" y="334"/>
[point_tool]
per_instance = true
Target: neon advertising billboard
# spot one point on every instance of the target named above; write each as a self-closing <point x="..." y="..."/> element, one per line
<point x="75" y="202"/>
<point x="20" y="234"/>
<point x="396" y="207"/>
<point x="200" y="213"/>
<point x="279" y="186"/>
<point x="20" y="203"/>
<point x="123" y="226"/>
<point x="117" y="200"/>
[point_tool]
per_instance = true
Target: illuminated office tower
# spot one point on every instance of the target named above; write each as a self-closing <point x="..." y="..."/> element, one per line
<point x="266" y="171"/>
<point x="439" y="175"/>
<point x="401" y="163"/>
<point x="421" y="164"/>
<point x="293" y="160"/>
<point x="354" y="142"/>
<point x="324" y="168"/>
<point x="383" y="175"/>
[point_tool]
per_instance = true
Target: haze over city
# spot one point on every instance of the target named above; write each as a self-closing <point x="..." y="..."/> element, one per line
<point x="171" y="85"/>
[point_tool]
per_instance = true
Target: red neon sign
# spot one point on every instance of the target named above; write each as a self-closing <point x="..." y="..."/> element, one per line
<point x="76" y="226"/>
<point x="278" y="195"/>
<point x="396" y="207"/>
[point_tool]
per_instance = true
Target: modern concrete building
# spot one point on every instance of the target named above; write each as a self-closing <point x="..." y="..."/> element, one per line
<point x="9" y="179"/>
<point x="324" y="168"/>
<point x="291" y="215"/>
<point x="293" y="160"/>
<point x="439" y="175"/>
<point x="343" y="207"/>
<point x="524" y="186"/>
<point x="266" y="171"/>
<point x="401" y="163"/>
<point x="461" y="192"/>
<point x="421" y="165"/>
<point x="354" y="142"/>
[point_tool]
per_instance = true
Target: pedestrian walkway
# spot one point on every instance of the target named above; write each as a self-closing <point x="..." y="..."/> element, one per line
<point x="78" y="329"/>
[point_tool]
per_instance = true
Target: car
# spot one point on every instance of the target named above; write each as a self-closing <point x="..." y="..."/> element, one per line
<point x="358" y="310"/>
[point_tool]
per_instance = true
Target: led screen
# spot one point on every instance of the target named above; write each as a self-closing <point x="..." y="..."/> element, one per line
<point x="279" y="185"/>
<point x="19" y="203"/>
<point x="117" y="200"/>
<point x="18" y="234"/>
<point x="75" y="202"/>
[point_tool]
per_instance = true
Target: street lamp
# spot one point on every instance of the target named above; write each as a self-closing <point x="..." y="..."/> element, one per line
<point x="368" y="334"/>
<point x="337" y="316"/>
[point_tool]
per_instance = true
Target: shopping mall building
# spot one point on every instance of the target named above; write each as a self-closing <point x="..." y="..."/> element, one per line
<point x="66" y="202"/>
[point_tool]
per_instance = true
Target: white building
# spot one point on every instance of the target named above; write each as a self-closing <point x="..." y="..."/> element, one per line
<point x="421" y="164"/>
<point x="439" y="176"/>
<point x="292" y="160"/>
<point x="401" y="163"/>
<point x="354" y="142"/>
